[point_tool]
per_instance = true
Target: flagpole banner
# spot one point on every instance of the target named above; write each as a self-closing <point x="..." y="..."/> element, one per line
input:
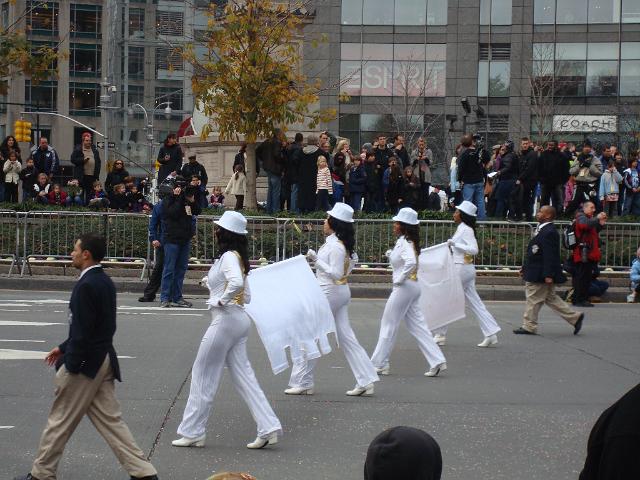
<point x="442" y="296"/>
<point x="290" y="310"/>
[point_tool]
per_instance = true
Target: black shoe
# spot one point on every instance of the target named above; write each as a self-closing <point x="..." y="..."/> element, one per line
<point x="147" y="299"/>
<point x="583" y="304"/>
<point x="28" y="476"/>
<point x="148" y="477"/>
<point x="578" y="326"/>
<point x="522" y="331"/>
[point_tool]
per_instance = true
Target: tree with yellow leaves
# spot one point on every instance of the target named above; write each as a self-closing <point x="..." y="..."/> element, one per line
<point x="250" y="81"/>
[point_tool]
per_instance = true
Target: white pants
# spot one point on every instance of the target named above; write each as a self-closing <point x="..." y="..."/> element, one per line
<point x="488" y="324"/>
<point x="225" y="343"/>
<point x="339" y="297"/>
<point x="403" y="305"/>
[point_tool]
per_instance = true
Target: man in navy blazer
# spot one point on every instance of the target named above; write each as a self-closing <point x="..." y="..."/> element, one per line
<point x="541" y="272"/>
<point x="87" y="366"/>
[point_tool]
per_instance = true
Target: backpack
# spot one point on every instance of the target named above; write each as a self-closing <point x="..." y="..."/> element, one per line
<point x="569" y="240"/>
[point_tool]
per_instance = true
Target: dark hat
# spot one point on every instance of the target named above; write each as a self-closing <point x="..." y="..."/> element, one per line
<point x="191" y="155"/>
<point x="403" y="453"/>
<point x="587" y="143"/>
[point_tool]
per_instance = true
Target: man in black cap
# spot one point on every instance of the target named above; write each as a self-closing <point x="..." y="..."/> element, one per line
<point x="193" y="168"/>
<point x="587" y="170"/>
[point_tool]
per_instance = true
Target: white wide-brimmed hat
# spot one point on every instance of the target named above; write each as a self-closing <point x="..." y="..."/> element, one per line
<point x="233" y="221"/>
<point x="468" y="208"/>
<point x="342" y="211"/>
<point x="407" y="215"/>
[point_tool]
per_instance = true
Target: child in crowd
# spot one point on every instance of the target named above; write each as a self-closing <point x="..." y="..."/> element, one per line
<point x="610" y="189"/>
<point x="74" y="193"/>
<point x="631" y="182"/>
<point x="29" y="177"/>
<point x="98" y="198"/>
<point x="217" y="198"/>
<point x="200" y="195"/>
<point x="410" y="189"/>
<point x="41" y="189"/>
<point x="569" y="190"/>
<point x="135" y="198"/>
<point x="119" y="200"/>
<point x="392" y="182"/>
<point x="356" y="182"/>
<point x="12" y="168"/>
<point x="57" y="196"/>
<point x="635" y="279"/>
<point x="324" y="185"/>
<point x="237" y="185"/>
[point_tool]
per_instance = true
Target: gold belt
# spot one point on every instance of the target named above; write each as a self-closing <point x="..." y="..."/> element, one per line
<point x="342" y="281"/>
<point x="468" y="259"/>
<point x="239" y="298"/>
<point x="413" y="275"/>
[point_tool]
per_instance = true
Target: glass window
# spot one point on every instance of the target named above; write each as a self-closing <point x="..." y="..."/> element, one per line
<point x="371" y="122"/>
<point x="499" y="76"/>
<point x="4" y="13"/>
<point x="571" y="51"/>
<point x="170" y="23"/>
<point x="42" y="18"/>
<point x="352" y="12"/>
<point x="483" y="79"/>
<point x="377" y="12"/>
<point x="84" y="98"/>
<point x="495" y="12"/>
<point x="168" y="94"/>
<point x="85" y="60"/>
<point x="135" y="95"/>
<point x="630" y="11"/>
<point x="351" y="51"/>
<point x="37" y="49"/>
<point x="630" y="78"/>
<point x="136" y="62"/>
<point x="86" y="21"/>
<point x="409" y="79"/>
<point x="350" y="122"/>
<point x="377" y="78"/>
<point x="377" y="51"/>
<point x="136" y="22"/>
<point x="436" y="51"/>
<point x="602" y="78"/>
<point x="409" y="51"/>
<point x="543" y="51"/>
<point x="570" y="78"/>
<point x="435" y="79"/>
<point x="437" y="12"/>
<point x="604" y="11"/>
<point x="351" y="77"/>
<point x="571" y="11"/>
<point x="410" y="12"/>
<point x="544" y="12"/>
<point x="630" y="50"/>
<point x="603" y="51"/>
<point x="40" y="96"/>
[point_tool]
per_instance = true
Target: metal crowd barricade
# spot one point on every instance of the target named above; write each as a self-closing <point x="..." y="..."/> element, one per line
<point x="9" y="238"/>
<point x="619" y="243"/>
<point x="49" y="236"/>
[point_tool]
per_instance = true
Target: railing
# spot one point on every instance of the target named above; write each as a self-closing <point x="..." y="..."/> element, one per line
<point x="47" y="237"/>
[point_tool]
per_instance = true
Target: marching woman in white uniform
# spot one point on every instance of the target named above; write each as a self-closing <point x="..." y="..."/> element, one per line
<point x="334" y="261"/>
<point x="465" y="247"/>
<point x="225" y="343"/>
<point x="403" y="302"/>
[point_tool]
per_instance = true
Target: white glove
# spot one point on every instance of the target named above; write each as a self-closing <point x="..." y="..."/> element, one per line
<point x="388" y="253"/>
<point x="312" y="256"/>
<point x="205" y="282"/>
<point x="451" y="243"/>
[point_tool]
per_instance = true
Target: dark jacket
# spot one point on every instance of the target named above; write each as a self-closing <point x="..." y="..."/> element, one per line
<point x="509" y="166"/>
<point x="529" y="167"/>
<point x="382" y="157"/>
<point x="374" y="176"/>
<point x="471" y="166"/>
<point x="77" y="159"/>
<point x="410" y="192"/>
<point x="157" y="225"/>
<point x="191" y="169"/>
<point x="270" y="154"/>
<point x="403" y="155"/>
<point x="543" y="257"/>
<point x="173" y="164"/>
<point x="553" y="168"/>
<point x="178" y="222"/>
<point x="292" y="169"/>
<point x="92" y="324"/>
<point x="119" y="201"/>
<point x="357" y="179"/>
<point x="46" y="161"/>
<point x="307" y="161"/>
<point x="29" y="177"/>
<point x="115" y="177"/>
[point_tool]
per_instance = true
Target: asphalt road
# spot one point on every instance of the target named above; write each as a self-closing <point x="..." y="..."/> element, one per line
<point x="522" y="410"/>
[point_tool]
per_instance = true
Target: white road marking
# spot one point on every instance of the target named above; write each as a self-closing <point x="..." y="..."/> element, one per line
<point x="125" y="356"/>
<point x="127" y="307"/>
<point x="26" y="341"/>
<point x="167" y="314"/>
<point x="36" y="301"/>
<point x="14" y="305"/>
<point x="6" y="427"/>
<point x="21" y="354"/>
<point x="7" y="310"/>
<point x="12" y="323"/>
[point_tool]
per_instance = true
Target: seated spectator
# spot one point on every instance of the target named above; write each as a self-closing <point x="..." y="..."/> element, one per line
<point x="29" y="177"/>
<point x="97" y="198"/>
<point x="41" y="189"/>
<point x="57" y="196"/>
<point x="116" y="176"/>
<point x="403" y="453"/>
<point x="135" y="198"/>
<point x="635" y="279"/>
<point x="118" y="199"/>
<point x="74" y="193"/>
<point x="614" y="442"/>
<point x="217" y="198"/>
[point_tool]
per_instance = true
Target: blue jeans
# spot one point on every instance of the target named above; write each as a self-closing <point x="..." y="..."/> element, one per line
<point x="273" y="192"/>
<point x="293" y="206"/>
<point x="176" y="260"/>
<point x="474" y="193"/>
<point x="631" y="203"/>
<point x="503" y="195"/>
<point x="355" y="200"/>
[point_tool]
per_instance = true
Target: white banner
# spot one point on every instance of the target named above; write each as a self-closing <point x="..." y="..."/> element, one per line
<point x="585" y="123"/>
<point x="442" y="297"/>
<point x="290" y="310"/>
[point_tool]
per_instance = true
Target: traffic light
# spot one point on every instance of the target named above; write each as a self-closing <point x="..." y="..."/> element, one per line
<point x="22" y="131"/>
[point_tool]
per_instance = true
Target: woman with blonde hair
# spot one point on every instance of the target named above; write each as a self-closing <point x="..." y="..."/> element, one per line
<point x="343" y="147"/>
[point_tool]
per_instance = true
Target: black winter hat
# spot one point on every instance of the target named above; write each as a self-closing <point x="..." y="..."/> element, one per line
<point x="587" y="143"/>
<point x="403" y="453"/>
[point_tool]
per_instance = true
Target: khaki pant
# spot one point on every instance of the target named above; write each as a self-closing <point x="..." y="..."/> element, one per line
<point x="539" y="294"/>
<point x="75" y="396"/>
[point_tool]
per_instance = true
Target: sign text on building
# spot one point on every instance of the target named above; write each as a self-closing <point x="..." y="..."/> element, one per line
<point x="585" y="123"/>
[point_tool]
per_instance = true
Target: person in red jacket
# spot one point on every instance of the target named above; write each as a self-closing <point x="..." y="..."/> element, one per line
<point x="57" y="196"/>
<point x="586" y="253"/>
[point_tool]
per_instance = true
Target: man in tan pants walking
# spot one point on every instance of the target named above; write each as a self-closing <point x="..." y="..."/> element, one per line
<point x="87" y="367"/>
<point x="542" y="271"/>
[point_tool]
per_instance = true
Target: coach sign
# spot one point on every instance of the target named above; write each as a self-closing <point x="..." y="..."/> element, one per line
<point x="585" y="123"/>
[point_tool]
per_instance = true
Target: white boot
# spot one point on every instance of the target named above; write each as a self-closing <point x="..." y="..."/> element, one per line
<point x="299" y="391"/>
<point x="361" y="391"/>
<point x="488" y="341"/>
<point x="259" y="442"/>
<point x="441" y="340"/>
<point x="631" y="297"/>
<point x="435" y="371"/>
<point x="189" y="442"/>
<point x="384" y="370"/>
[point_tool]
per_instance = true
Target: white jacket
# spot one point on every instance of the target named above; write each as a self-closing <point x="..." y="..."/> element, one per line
<point x="237" y="186"/>
<point x="227" y="283"/>
<point x="404" y="261"/>
<point x="332" y="265"/>
<point x="464" y="243"/>
<point x="12" y="171"/>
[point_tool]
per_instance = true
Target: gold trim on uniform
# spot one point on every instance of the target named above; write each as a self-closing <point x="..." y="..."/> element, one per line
<point x="413" y="275"/>
<point x="343" y="280"/>
<point x="468" y="259"/>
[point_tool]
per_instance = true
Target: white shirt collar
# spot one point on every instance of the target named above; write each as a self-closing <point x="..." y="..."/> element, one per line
<point x="87" y="269"/>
